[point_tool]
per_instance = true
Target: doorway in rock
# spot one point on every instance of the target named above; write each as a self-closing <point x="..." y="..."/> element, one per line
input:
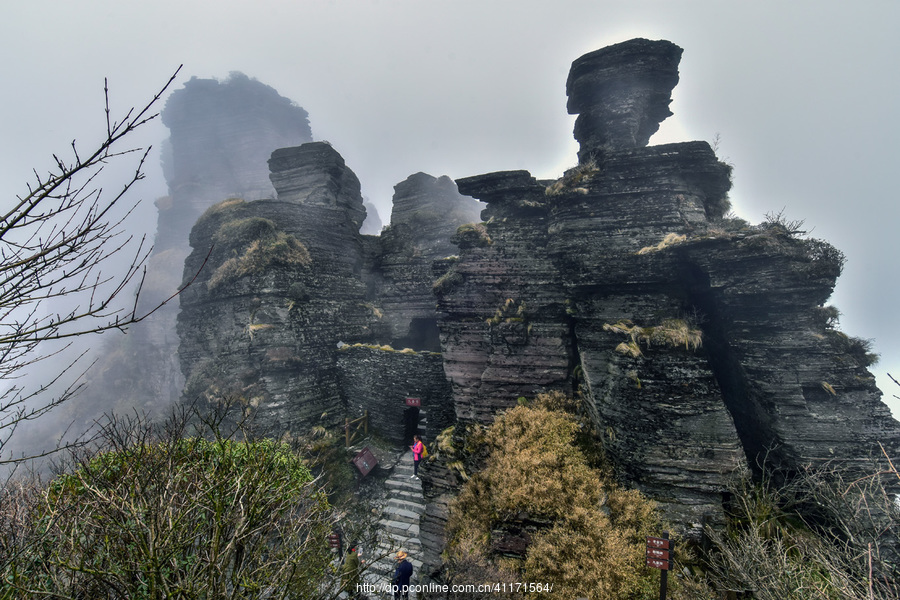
<point x="410" y="423"/>
<point x="423" y="334"/>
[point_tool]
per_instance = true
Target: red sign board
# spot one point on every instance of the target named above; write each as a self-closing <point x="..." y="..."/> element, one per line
<point x="661" y="543"/>
<point x="334" y="540"/>
<point x="655" y="563"/>
<point x="414" y="402"/>
<point x="365" y="461"/>
<point x="658" y="554"/>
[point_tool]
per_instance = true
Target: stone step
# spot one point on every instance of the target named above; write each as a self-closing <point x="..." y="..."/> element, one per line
<point x="397" y="542"/>
<point x="410" y="485"/>
<point x="400" y="528"/>
<point x="407" y="495"/>
<point x="410" y="505"/>
<point x="392" y="513"/>
<point x="400" y="523"/>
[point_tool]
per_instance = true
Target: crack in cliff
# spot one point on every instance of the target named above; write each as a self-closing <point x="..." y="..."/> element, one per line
<point x="750" y="421"/>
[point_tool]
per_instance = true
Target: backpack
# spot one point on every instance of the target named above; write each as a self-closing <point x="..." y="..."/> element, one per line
<point x="424" y="451"/>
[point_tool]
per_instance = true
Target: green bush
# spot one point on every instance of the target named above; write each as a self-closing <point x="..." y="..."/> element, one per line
<point x="154" y="515"/>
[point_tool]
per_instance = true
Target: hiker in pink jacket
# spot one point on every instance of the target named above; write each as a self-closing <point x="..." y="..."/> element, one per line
<point x="417" y="449"/>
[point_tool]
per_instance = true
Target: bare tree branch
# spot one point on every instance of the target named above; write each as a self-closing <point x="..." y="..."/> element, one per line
<point x="57" y="242"/>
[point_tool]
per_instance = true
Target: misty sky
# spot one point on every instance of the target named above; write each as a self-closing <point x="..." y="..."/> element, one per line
<point x="802" y="94"/>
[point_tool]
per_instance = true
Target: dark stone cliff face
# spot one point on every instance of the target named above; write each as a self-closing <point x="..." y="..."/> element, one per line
<point x="221" y="134"/>
<point x="292" y="290"/>
<point x="279" y="292"/>
<point x="426" y="214"/>
<point x="699" y="343"/>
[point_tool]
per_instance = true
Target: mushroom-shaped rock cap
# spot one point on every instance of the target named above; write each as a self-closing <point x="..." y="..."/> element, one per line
<point x="621" y="94"/>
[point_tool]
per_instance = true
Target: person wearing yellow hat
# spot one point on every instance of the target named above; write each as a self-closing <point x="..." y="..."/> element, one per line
<point x="401" y="576"/>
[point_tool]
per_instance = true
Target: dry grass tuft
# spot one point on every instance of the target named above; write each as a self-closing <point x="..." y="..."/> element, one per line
<point x="571" y="180"/>
<point x="671" y="239"/>
<point x="674" y="333"/>
<point x="279" y="248"/>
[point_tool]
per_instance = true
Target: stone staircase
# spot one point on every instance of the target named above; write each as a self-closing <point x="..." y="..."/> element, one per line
<point x="399" y="524"/>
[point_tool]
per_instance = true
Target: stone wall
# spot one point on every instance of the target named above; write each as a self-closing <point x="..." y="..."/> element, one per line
<point x="379" y="379"/>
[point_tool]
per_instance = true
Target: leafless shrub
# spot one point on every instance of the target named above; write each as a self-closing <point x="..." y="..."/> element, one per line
<point x="814" y="536"/>
<point x="779" y="223"/>
<point x="57" y="243"/>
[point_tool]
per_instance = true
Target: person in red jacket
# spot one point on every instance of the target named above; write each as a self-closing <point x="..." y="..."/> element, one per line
<point x="417" y="449"/>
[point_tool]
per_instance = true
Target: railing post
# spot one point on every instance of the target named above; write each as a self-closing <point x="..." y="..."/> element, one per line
<point x="346" y="432"/>
<point x="366" y="422"/>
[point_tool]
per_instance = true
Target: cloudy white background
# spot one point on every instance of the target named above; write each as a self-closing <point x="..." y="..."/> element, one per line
<point x="803" y="96"/>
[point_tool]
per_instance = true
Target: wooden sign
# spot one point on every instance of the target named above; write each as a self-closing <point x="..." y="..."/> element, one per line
<point x="658" y="554"/>
<point x="365" y="461"/>
<point x="334" y="540"/>
<point x="661" y="543"/>
<point x="663" y="565"/>
<point x="414" y="402"/>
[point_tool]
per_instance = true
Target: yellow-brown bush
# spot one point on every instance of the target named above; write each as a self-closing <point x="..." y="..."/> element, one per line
<point x="587" y="534"/>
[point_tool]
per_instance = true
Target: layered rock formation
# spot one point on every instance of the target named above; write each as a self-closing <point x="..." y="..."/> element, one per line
<point x="426" y="214"/>
<point x="292" y="292"/>
<point x="621" y="94"/>
<point x="280" y="291"/>
<point x="221" y="134"/>
<point x="698" y="343"/>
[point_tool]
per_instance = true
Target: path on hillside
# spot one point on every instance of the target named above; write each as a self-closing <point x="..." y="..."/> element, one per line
<point x="399" y="526"/>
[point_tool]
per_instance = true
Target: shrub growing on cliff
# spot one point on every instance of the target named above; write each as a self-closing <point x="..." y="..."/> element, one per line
<point x="447" y="282"/>
<point x="572" y="179"/>
<point x="223" y="207"/>
<point x="472" y="235"/>
<point x="153" y="514"/>
<point x="583" y="533"/>
<point x="273" y="248"/>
